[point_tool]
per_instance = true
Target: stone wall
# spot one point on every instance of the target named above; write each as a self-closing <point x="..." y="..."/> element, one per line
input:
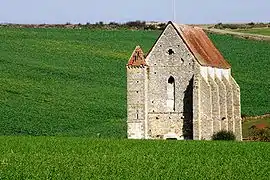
<point x="136" y="109"/>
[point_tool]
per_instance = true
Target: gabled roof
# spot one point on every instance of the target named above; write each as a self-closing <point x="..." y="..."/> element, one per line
<point x="200" y="46"/>
<point x="137" y="58"/>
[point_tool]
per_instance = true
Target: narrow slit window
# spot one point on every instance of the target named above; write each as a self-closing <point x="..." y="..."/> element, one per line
<point x="182" y="60"/>
<point x="171" y="94"/>
<point x="137" y="114"/>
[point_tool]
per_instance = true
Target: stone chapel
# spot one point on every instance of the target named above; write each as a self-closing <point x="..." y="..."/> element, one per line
<point x="182" y="89"/>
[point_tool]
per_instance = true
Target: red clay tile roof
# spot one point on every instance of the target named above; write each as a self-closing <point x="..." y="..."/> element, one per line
<point x="137" y="58"/>
<point x="201" y="46"/>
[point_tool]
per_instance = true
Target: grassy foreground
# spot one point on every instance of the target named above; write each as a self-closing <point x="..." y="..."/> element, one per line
<point x="73" y="82"/>
<point x="82" y="158"/>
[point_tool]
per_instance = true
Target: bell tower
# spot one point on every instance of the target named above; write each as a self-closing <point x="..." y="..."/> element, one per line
<point x="137" y="95"/>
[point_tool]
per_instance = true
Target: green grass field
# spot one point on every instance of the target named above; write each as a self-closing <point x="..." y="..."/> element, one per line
<point x="261" y="31"/>
<point x="59" y="81"/>
<point x="73" y="82"/>
<point x="83" y="158"/>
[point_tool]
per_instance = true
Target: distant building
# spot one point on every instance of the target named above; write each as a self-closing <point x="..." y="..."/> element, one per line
<point x="182" y="89"/>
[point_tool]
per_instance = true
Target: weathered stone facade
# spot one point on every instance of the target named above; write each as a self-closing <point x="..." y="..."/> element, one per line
<point x="171" y="94"/>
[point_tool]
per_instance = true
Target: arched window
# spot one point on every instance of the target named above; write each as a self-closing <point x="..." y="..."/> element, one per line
<point x="171" y="94"/>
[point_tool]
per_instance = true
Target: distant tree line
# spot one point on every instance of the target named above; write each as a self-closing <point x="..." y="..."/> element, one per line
<point x="135" y="25"/>
<point x="241" y="26"/>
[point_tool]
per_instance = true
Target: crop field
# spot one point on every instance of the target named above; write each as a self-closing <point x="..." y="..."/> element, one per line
<point x="73" y="82"/>
<point x="59" y="81"/>
<point x="84" y="158"/>
<point x="261" y="31"/>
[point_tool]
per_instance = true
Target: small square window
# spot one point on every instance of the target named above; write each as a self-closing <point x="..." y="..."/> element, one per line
<point x="170" y="52"/>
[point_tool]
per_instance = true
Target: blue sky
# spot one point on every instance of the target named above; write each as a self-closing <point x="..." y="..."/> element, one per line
<point x="82" y="11"/>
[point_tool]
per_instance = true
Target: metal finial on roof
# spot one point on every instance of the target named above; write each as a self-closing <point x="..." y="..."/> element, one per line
<point x="174" y="10"/>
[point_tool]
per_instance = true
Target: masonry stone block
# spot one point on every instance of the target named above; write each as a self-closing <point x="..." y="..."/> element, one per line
<point x="205" y="110"/>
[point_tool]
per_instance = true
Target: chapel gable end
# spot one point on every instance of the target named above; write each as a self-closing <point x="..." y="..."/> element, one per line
<point x="182" y="89"/>
<point x="169" y="50"/>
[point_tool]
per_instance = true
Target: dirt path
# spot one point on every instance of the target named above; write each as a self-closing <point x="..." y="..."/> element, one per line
<point x="239" y="34"/>
<point x="248" y="118"/>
